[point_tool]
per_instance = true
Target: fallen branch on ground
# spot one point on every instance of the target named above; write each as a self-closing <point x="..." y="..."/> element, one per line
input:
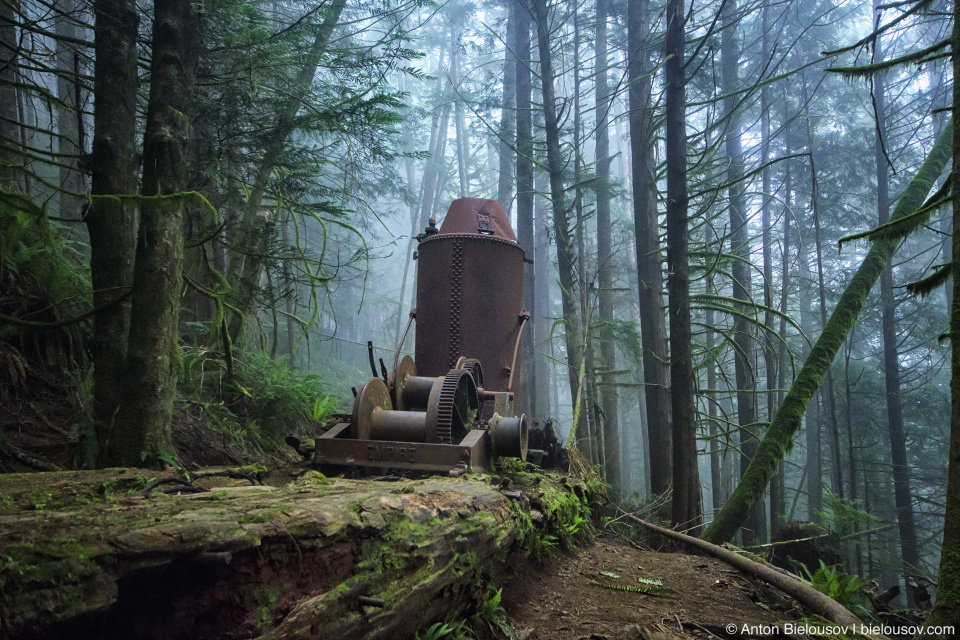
<point x="817" y="602"/>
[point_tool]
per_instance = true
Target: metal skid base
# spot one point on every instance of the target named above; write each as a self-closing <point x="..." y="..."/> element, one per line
<point x="334" y="449"/>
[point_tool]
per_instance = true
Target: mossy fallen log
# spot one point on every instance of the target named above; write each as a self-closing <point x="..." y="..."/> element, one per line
<point x="84" y="554"/>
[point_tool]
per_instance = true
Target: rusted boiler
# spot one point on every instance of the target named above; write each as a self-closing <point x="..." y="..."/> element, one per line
<point x="451" y="408"/>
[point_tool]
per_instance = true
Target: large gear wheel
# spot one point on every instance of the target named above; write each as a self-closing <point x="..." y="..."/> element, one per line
<point x="472" y="365"/>
<point x="456" y="406"/>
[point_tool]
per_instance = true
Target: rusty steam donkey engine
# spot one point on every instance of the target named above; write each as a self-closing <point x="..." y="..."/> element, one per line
<point x="451" y="409"/>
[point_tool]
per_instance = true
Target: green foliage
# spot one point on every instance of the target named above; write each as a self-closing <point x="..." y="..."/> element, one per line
<point x="490" y="617"/>
<point x="488" y="621"/>
<point x="839" y="515"/>
<point x="266" y="400"/>
<point x="842" y="587"/>
<point x="445" y="631"/>
<point x="42" y="281"/>
<point x="544" y="545"/>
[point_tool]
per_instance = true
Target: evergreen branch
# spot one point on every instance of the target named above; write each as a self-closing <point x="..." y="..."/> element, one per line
<point x="902" y="227"/>
<point x="926" y="286"/>
<point x="867" y="70"/>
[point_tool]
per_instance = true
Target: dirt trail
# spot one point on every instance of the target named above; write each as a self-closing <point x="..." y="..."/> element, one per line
<point x="561" y="601"/>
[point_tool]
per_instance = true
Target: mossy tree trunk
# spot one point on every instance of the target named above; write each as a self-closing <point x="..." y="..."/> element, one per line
<point x="142" y="435"/>
<point x="787" y="420"/>
<point x="110" y="220"/>
<point x="946" y="611"/>
<point x="653" y="322"/>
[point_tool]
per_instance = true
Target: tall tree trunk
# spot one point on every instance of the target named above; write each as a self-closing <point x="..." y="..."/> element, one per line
<point x="289" y="289"/>
<point x="143" y="432"/>
<point x="686" y="480"/>
<point x="525" y="195"/>
<point x="946" y="611"/>
<point x="769" y="348"/>
<point x="716" y="480"/>
<point x="745" y="348"/>
<point x="653" y="323"/>
<point x="909" y="551"/>
<point x="787" y="419"/>
<point x="110" y="220"/>
<point x="69" y="110"/>
<point x="608" y="348"/>
<point x="561" y="227"/>
<point x="508" y="108"/>
<point x="9" y="113"/>
<point x="463" y="142"/>
<point x="591" y="407"/>
<point x="858" y="554"/>
<point x="778" y="507"/>
<point x="828" y="395"/>
<point x="812" y="431"/>
<point x="542" y="321"/>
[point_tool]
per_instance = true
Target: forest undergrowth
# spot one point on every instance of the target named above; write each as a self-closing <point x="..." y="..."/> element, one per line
<point x="223" y="415"/>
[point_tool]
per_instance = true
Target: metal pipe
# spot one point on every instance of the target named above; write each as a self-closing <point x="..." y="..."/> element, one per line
<point x="396" y="356"/>
<point x="525" y="315"/>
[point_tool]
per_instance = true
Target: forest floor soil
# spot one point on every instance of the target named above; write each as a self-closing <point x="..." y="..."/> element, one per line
<point x="563" y="599"/>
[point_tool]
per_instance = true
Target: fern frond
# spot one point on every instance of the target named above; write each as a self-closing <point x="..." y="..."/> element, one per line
<point x="648" y="590"/>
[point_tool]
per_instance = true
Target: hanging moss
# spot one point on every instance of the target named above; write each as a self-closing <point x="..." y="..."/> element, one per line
<point x="786" y="422"/>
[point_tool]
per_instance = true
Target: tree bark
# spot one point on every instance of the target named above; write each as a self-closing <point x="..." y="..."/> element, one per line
<point x="653" y="323"/>
<point x="69" y="111"/>
<point x="686" y="481"/>
<point x="542" y="319"/>
<point x="777" y="497"/>
<point x="143" y="431"/>
<point x="508" y="108"/>
<point x="946" y="611"/>
<point x="787" y="419"/>
<point x="9" y="113"/>
<point x="608" y="348"/>
<point x="525" y="195"/>
<point x="463" y="141"/>
<point x="110" y="218"/>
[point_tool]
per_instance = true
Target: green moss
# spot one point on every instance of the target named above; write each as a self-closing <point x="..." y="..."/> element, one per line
<point x="312" y="479"/>
<point x="39" y="500"/>
<point x="55" y="582"/>
<point x="267" y="608"/>
<point x="258" y="517"/>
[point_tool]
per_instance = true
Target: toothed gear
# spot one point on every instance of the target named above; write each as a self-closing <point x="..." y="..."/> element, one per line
<point x="472" y="365"/>
<point x="458" y="396"/>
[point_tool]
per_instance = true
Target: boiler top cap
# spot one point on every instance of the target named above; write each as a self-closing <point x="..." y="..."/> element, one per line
<point x="478" y="217"/>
